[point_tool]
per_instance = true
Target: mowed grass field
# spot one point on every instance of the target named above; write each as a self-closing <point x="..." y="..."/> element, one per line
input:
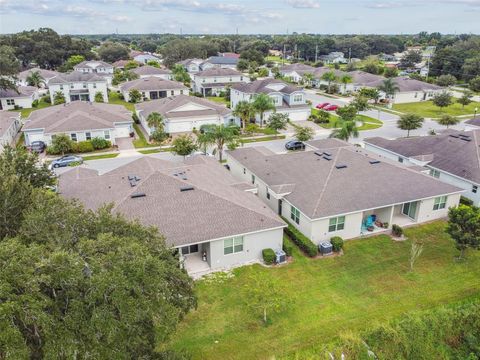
<point x="429" y="110"/>
<point x="370" y="283"/>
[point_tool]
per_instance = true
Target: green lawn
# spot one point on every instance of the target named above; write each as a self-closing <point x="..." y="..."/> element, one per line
<point x="369" y="123"/>
<point x="141" y="141"/>
<point x="370" y="283"/>
<point x="219" y="99"/>
<point x="114" y="98"/>
<point x="154" y="151"/>
<point x="99" y="157"/>
<point x="427" y="109"/>
<point x="25" y="113"/>
<point x="263" y="138"/>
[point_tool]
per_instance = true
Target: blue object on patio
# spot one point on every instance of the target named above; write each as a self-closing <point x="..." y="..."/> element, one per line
<point x="369" y="221"/>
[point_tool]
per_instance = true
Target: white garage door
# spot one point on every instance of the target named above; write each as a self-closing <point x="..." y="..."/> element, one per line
<point x="31" y="137"/>
<point x="300" y="115"/>
<point x="122" y="131"/>
<point x="180" y="126"/>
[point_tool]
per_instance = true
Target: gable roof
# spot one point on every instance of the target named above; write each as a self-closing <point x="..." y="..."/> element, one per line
<point x="319" y="189"/>
<point x="7" y="118"/>
<point x="216" y="71"/>
<point x="406" y="84"/>
<point x="299" y="68"/>
<point x="360" y="77"/>
<point x="187" y="62"/>
<point x="92" y="64"/>
<point x="77" y="116"/>
<point x="318" y="72"/>
<point x="450" y="152"/>
<point x="76" y="76"/>
<point x="266" y="86"/>
<point x="46" y="74"/>
<point x="152" y="83"/>
<point x="222" y="60"/>
<point x="22" y="91"/>
<point x="216" y="208"/>
<point x="150" y="70"/>
<point x="169" y="107"/>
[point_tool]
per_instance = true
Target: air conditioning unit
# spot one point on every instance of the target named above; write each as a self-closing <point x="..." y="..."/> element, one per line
<point x="325" y="248"/>
<point x="281" y="257"/>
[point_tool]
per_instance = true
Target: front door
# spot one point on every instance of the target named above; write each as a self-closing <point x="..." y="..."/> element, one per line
<point x="74" y="97"/>
<point x="410" y="209"/>
<point x="153" y="95"/>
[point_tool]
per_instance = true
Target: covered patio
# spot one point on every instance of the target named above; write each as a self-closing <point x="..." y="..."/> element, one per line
<point x="195" y="259"/>
<point x="382" y="219"/>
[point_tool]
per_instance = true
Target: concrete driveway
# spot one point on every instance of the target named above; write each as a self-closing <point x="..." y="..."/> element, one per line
<point x="125" y="143"/>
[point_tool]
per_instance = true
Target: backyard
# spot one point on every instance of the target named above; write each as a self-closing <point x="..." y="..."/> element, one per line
<point x="370" y="283"/>
<point x="429" y="110"/>
<point x="114" y="98"/>
<point x="25" y="113"/>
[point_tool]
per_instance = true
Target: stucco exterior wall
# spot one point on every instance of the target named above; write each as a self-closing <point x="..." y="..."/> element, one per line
<point x="92" y="88"/>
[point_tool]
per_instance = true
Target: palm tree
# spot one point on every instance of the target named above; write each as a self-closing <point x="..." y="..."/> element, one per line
<point x="155" y="120"/>
<point x="262" y="104"/>
<point x="307" y="78"/>
<point x="329" y="77"/>
<point x="410" y="122"/>
<point x="389" y="87"/>
<point x="203" y="141"/>
<point x="244" y="110"/>
<point x="220" y="135"/>
<point x="346" y="79"/>
<point x="35" y="79"/>
<point x="448" y="120"/>
<point x="346" y="130"/>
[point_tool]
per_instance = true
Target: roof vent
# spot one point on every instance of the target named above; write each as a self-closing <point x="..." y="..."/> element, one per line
<point x="340" y="166"/>
<point x="466" y="139"/>
<point x="318" y="153"/>
<point x="187" y="188"/>
<point x="373" y="162"/>
<point x="327" y="158"/>
<point x="327" y="154"/>
<point x="454" y="136"/>
<point x="137" y="195"/>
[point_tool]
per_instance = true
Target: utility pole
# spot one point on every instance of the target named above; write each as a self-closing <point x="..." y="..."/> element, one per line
<point x="181" y="32"/>
<point x="428" y="61"/>
<point x="316" y="53"/>
<point x="283" y="57"/>
<point x="349" y="54"/>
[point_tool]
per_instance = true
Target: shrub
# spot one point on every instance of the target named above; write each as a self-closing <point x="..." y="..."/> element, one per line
<point x="269" y="131"/>
<point x="100" y="143"/>
<point x="83" y="146"/>
<point x="135" y="118"/>
<point x="46" y="98"/>
<point x="301" y="240"/>
<point x="252" y="128"/>
<point x="287" y="247"/>
<point x="337" y="243"/>
<point x="35" y="103"/>
<point x="466" y="201"/>
<point x="397" y="230"/>
<point x="268" y="256"/>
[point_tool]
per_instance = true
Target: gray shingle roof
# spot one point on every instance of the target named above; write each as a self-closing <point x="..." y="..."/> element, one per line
<point x="7" y="118"/>
<point x="318" y="72"/>
<point x="77" y="116"/>
<point x="266" y="86"/>
<point x="168" y="107"/>
<point x="216" y="71"/>
<point x="76" y="76"/>
<point x="298" y="67"/>
<point x="444" y="152"/>
<point x="92" y="64"/>
<point x="222" y="60"/>
<point x="150" y="70"/>
<point x="363" y="78"/>
<point x="152" y="83"/>
<point x="46" y="74"/>
<point x="320" y="189"/>
<point x="22" y="91"/>
<point x="407" y="84"/>
<point x="215" y="209"/>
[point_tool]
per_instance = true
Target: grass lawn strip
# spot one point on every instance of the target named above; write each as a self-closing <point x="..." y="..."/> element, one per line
<point x="370" y="283"/>
<point x="114" y="98"/>
<point x="429" y="110"/>
<point x="368" y="123"/>
<point x="99" y="157"/>
<point x="264" y="138"/>
<point x="153" y="151"/>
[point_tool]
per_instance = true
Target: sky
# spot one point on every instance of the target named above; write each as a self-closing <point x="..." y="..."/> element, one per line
<point x="248" y="16"/>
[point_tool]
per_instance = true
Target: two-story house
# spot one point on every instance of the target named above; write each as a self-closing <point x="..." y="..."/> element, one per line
<point x="147" y="71"/>
<point x="287" y="98"/>
<point x="78" y="86"/>
<point x="101" y="68"/>
<point x="214" y="81"/>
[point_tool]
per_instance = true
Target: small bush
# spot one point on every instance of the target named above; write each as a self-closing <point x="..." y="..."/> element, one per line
<point x="301" y="240"/>
<point x="82" y="147"/>
<point x="46" y="98"/>
<point x="337" y="243"/>
<point x="466" y="201"/>
<point x="75" y="163"/>
<point x="34" y="103"/>
<point x="100" y="143"/>
<point x="135" y="118"/>
<point x="268" y="256"/>
<point x="51" y="150"/>
<point x="287" y="247"/>
<point x="397" y="230"/>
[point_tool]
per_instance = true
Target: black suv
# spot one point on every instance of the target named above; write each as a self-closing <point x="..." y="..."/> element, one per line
<point x="37" y="146"/>
<point x="295" y="145"/>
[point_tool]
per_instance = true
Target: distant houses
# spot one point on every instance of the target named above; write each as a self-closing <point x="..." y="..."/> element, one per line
<point x="144" y="57"/>
<point x="101" y="68"/>
<point x="148" y="71"/>
<point x="45" y="74"/>
<point x="9" y="126"/>
<point x="215" y="80"/>
<point x="226" y="61"/>
<point x="21" y="98"/>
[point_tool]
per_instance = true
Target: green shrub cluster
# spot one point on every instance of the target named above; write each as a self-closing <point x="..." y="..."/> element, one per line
<point x="337" y="243"/>
<point x="397" y="230"/>
<point x="82" y="146"/>
<point x="321" y="117"/>
<point x="466" y="201"/>
<point x="287" y="247"/>
<point x="268" y="256"/>
<point x="301" y="240"/>
<point x="99" y="143"/>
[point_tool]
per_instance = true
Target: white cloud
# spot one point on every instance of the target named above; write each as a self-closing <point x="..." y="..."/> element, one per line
<point x="304" y="4"/>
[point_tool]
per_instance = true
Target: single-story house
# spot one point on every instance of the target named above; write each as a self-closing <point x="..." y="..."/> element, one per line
<point x="120" y="64"/>
<point x="216" y="80"/>
<point x="153" y="88"/>
<point x="77" y="86"/>
<point x="22" y="98"/>
<point x="295" y="72"/>
<point x="9" y="126"/>
<point x="320" y="71"/>
<point x="147" y="71"/>
<point x="45" y="74"/>
<point x="288" y="99"/>
<point x="335" y="57"/>
<point x="410" y="90"/>
<point x="80" y="120"/>
<point x="452" y="157"/>
<point x="224" y="62"/>
<point x="337" y="189"/>
<point x="183" y="114"/>
<point x="210" y="217"/>
<point x="144" y="57"/>
<point x="101" y="68"/>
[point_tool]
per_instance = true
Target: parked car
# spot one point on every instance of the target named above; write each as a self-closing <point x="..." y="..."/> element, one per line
<point x="322" y="106"/>
<point x="331" y="107"/>
<point x="65" y="161"/>
<point x="37" y="147"/>
<point x="295" y="145"/>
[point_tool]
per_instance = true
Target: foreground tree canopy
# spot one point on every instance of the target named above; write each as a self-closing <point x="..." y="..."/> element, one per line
<point x="77" y="283"/>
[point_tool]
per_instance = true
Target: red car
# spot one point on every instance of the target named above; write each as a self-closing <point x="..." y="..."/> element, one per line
<point x="321" y="106"/>
<point x="331" y="107"/>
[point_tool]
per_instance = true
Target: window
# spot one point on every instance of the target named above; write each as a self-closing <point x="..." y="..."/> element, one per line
<point x="73" y="136"/>
<point x="253" y="179"/>
<point x="336" y="224"/>
<point x="244" y="171"/>
<point x="88" y="136"/>
<point x="298" y="98"/>
<point x="106" y="135"/>
<point x="10" y="102"/>
<point x="233" y="245"/>
<point x="400" y="159"/>
<point x="241" y="78"/>
<point x="94" y="85"/>
<point x="416" y="94"/>
<point x="440" y="203"/>
<point x="181" y="92"/>
<point x="268" y="194"/>
<point x="84" y="85"/>
<point x="172" y="93"/>
<point x="71" y="86"/>
<point x="230" y="79"/>
<point x="474" y="189"/>
<point x="295" y="214"/>
<point x="61" y="87"/>
<point x="434" y="173"/>
<point x="189" y="249"/>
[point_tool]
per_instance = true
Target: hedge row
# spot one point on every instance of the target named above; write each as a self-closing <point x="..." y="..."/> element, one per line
<point x="268" y="256"/>
<point x="287" y="247"/>
<point x="301" y="240"/>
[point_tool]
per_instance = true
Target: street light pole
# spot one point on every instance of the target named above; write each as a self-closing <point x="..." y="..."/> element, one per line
<point x="475" y="113"/>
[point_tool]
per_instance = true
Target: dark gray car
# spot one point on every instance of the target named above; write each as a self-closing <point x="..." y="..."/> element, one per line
<point x="65" y="161"/>
<point x="295" y="145"/>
